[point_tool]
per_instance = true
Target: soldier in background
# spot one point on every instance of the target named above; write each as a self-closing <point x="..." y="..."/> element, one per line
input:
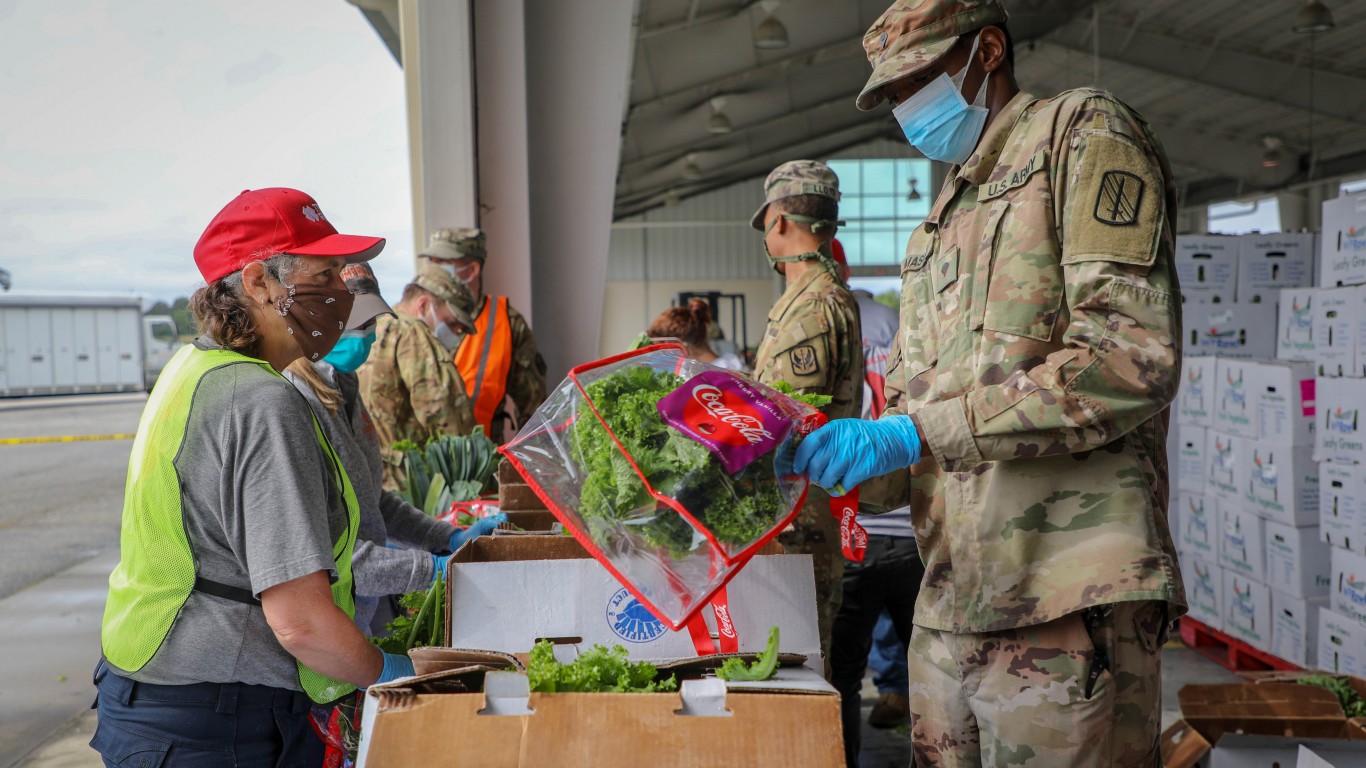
<point x="499" y="359"/>
<point x="408" y="383"/>
<point x="1038" y="353"/>
<point x="812" y="342"/>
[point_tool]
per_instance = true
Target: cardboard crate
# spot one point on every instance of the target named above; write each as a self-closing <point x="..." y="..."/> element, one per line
<point x="1234" y="329"/>
<point x="1195" y="395"/>
<point x="1247" y="610"/>
<point x="1242" y="542"/>
<point x="1199" y="525"/>
<point x="1295" y="627"/>
<point x="1285" y="399"/>
<point x="1347" y="589"/>
<point x="1226" y="459"/>
<point x="1297" y="560"/>
<point x="1337" y="328"/>
<point x="1235" y="398"/>
<point x="1342" y="491"/>
<point x="1282" y="483"/>
<point x="1207" y="267"/>
<point x="1339" y="435"/>
<point x="1295" y="324"/>
<point x="1342" y="644"/>
<point x="1204" y="581"/>
<point x="1267" y="264"/>
<point x="1190" y="459"/>
<point x="1342" y="246"/>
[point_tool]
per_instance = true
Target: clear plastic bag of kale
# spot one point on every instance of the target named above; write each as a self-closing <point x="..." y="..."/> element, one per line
<point x="671" y="472"/>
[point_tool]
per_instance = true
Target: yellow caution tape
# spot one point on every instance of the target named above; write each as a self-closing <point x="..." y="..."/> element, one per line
<point x="64" y="439"/>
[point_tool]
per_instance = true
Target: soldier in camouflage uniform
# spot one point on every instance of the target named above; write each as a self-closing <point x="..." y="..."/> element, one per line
<point x="1038" y="353"/>
<point x="500" y="358"/>
<point x="812" y="342"/>
<point x="408" y="383"/>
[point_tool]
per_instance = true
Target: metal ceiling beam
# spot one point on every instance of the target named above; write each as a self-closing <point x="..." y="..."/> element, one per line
<point x="1249" y="75"/>
<point x="689" y="97"/>
<point x="693" y="20"/>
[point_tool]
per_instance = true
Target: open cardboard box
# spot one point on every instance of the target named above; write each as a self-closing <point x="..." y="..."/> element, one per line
<point x="1270" y="704"/>
<point x="506" y="592"/>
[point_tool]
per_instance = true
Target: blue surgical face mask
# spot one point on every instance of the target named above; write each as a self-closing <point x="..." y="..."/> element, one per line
<point x="351" y="350"/>
<point x="939" y="122"/>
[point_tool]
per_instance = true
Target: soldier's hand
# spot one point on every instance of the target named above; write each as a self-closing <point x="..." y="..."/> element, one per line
<point x="845" y="452"/>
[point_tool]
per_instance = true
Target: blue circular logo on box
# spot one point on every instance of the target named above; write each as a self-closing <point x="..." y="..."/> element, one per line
<point x="631" y="620"/>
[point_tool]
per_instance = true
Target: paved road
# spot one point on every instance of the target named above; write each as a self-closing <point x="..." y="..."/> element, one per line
<point x="60" y="502"/>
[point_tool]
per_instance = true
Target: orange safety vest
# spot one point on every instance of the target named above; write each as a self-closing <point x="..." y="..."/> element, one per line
<point x="484" y="359"/>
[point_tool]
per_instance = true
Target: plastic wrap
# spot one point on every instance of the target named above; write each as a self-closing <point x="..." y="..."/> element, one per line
<point x="671" y="472"/>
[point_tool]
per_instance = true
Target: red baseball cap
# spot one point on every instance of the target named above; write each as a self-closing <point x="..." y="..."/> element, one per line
<point x="261" y="223"/>
<point x="837" y="252"/>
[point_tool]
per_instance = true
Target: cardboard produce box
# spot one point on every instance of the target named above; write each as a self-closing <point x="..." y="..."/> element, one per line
<point x="1195" y="395"/>
<point x="1247" y="610"/>
<point x="1297" y="560"/>
<point x="1286" y="401"/>
<point x="1342" y="246"/>
<point x="1226" y="459"/>
<point x="1337" y="326"/>
<point x="1207" y="267"/>
<point x="1295" y="324"/>
<point x="1242" y="542"/>
<point x="1199" y="524"/>
<point x="1235" y="397"/>
<point x="1282" y="483"/>
<point x="1347" y="589"/>
<point x="1342" y="644"/>
<point x="1338" y="436"/>
<point x="1190" y="459"/>
<point x="1204" y="581"/>
<point x="1295" y="628"/>
<point x="1342" y="491"/>
<point x="1234" y="329"/>
<point x="1269" y="263"/>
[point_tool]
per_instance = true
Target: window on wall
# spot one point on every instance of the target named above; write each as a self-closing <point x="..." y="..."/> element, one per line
<point x="875" y="204"/>
<point x="1241" y="218"/>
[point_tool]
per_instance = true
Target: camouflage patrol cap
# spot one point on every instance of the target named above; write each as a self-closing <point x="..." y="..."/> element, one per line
<point x="913" y="34"/>
<point x="456" y="243"/>
<point x="798" y="177"/>
<point x="436" y="281"/>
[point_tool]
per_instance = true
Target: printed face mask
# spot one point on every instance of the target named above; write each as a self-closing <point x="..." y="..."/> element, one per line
<point x="352" y="350"/>
<point x="315" y="316"/>
<point x="939" y="122"/>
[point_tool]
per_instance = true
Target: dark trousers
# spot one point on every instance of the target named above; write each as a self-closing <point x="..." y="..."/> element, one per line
<point x="204" y="725"/>
<point x="889" y="577"/>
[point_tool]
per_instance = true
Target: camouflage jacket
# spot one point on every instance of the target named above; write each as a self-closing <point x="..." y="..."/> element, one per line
<point x="1039" y="350"/>
<point x="814" y="343"/>
<point x="412" y="389"/>
<point x="526" y="377"/>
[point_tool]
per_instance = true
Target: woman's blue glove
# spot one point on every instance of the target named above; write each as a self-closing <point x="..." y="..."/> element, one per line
<point x="482" y="527"/>
<point x="439" y="566"/>
<point x="842" y="454"/>
<point x="395" y="666"/>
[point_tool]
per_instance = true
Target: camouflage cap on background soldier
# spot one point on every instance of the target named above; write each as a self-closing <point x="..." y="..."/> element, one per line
<point x="913" y="34"/>
<point x="798" y="177"/>
<point x="437" y="282"/>
<point x="451" y="243"/>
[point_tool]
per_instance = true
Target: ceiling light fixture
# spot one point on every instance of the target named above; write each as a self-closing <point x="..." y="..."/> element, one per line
<point x="691" y="170"/>
<point x="1272" y="152"/>
<point x="770" y="34"/>
<point x="719" y="122"/>
<point x="915" y="191"/>
<point x="1313" y="18"/>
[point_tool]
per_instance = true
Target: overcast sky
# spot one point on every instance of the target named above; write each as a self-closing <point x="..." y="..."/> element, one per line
<point x="129" y="123"/>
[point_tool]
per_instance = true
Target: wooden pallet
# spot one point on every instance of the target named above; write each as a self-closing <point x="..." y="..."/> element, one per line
<point x="1227" y="651"/>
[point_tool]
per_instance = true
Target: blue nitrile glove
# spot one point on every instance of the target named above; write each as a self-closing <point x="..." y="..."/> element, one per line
<point x="439" y="566"/>
<point x="842" y="454"/>
<point x="395" y="666"/>
<point x="482" y="527"/>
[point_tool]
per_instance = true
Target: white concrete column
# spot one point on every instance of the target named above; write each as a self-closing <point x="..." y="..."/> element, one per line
<point x="438" y="73"/>
<point x="500" y="65"/>
<point x="577" y="74"/>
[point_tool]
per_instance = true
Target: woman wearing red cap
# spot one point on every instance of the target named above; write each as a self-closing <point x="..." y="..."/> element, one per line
<point x="230" y="611"/>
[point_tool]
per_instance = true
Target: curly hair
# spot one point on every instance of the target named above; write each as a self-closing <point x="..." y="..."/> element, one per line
<point x="687" y="324"/>
<point x="222" y="310"/>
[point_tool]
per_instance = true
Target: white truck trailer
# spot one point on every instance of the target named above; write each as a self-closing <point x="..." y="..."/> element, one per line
<point x="69" y="343"/>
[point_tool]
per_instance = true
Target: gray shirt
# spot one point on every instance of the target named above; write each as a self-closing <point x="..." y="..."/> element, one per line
<point x="385" y="518"/>
<point x="260" y="507"/>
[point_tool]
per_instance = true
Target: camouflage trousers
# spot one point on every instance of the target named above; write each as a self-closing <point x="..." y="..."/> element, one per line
<point x="815" y="532"/>
<point x="1082" y="690"/>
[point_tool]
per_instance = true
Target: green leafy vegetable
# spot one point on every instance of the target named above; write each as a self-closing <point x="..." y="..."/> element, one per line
<point x="762" y="668"/>
<point x="1352" y="703"/>
<point x="422" y="623"/>
<point x="597" y="670"/>
<point x="811" y="399"/>
<point x="447" y="469"/>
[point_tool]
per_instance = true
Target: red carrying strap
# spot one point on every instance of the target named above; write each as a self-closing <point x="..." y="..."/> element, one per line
<point x="726" y="640"/>
<point x="853" y="539"/>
